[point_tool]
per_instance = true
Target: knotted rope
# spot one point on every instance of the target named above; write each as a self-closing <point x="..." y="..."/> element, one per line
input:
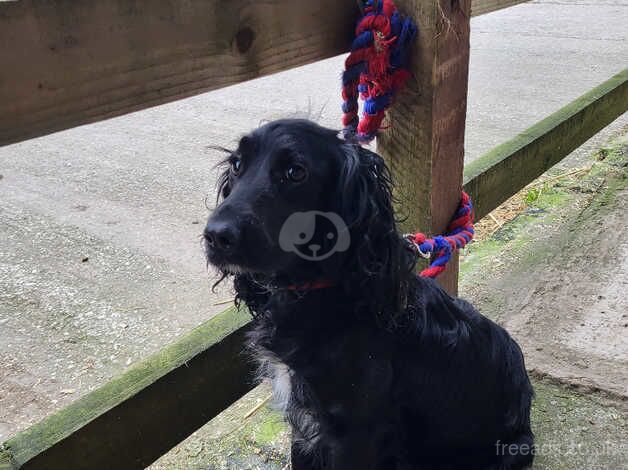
<point x="460" y="231"/>
<point x="376" y="67"/>
<point x="375" y="70"/>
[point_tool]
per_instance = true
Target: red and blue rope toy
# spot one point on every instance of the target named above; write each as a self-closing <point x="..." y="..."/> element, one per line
<point x="375" y="70"/>
<point x="460" y="231"/>
<point x="376" y="67"/>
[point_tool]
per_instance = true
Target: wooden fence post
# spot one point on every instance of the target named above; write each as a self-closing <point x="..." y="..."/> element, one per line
<point x="424" y="143"/>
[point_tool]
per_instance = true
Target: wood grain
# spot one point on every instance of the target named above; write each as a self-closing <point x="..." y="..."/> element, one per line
<point x="69" y="62"/>
<point x="424" y="143"/>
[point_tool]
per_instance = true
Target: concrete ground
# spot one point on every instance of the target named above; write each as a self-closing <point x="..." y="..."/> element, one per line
<point x="100" y="259"/>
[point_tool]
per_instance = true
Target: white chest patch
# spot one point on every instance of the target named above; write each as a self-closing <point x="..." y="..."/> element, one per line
<point x="301" y="419"/>
<point x="282" y="385"/>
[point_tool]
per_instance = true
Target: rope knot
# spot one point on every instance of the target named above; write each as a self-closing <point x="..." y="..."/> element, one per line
<point x="376" y="67"/>
<point x="440" y="248"/>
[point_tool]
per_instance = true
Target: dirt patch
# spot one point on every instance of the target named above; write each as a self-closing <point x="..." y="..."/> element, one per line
<point x="556" y="276"/>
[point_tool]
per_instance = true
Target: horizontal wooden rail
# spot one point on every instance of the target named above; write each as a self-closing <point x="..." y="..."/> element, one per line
<point x="134" y="419"/>
<point x="508" y="168"/>
<point x="71" y="62"/>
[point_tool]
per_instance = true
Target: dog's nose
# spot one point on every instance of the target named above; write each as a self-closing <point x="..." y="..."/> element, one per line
<point x="221" y="236"/>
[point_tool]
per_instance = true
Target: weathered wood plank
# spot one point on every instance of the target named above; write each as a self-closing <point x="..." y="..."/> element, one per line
<point x="424" y="143"/>
<point x="134" y="419"/>
<point x="69" y="62"/>
<point x="502" y="172"/>
<point x="480" y="7"/>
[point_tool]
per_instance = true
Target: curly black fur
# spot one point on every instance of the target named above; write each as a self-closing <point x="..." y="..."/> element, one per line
<point x="383" y="370"/>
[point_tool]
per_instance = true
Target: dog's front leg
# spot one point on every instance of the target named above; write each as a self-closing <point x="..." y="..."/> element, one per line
<point x="300" y="460"/>
<point x="355" y="451"/>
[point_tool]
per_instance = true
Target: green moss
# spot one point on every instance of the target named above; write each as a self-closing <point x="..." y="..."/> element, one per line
<point x="552" y="197"/>
<point x="6" y="461"/>
<point x="544" y="205"/>
<point x="574" y="430"/>
<point x="270" y="430"/>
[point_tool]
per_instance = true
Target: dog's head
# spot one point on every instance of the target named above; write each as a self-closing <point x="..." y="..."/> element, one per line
<point x="298" y="203"/>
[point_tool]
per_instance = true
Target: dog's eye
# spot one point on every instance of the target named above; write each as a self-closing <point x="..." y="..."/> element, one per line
<point x="296" y="173"/>
<point x="236" y="166"/>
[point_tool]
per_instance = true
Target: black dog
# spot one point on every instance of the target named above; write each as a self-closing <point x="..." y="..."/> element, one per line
<point x="374" y="367"/>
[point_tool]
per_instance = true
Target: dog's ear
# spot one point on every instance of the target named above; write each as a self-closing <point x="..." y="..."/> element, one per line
<point x="365" y="188"/>
<point x="380" y="259"/>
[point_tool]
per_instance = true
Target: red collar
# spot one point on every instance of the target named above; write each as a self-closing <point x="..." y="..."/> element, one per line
<point x="313" y="285"/>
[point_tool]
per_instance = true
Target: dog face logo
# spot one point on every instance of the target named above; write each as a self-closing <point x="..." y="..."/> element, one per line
<point x="314" y="235"/>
